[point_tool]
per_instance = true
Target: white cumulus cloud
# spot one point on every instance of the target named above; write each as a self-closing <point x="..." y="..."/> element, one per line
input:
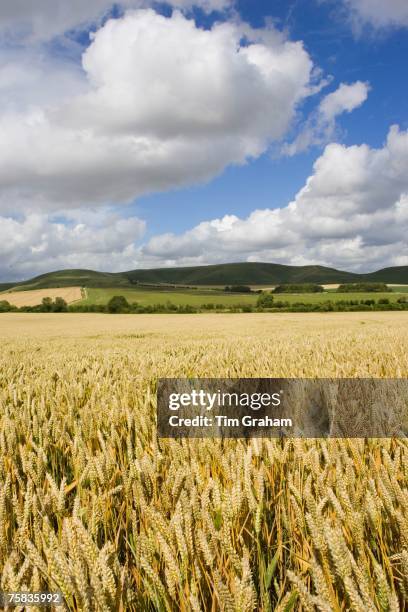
<point x="345" y="99"/>
<point x="351" y="213"/>
<point x="37" y="243"/>
<point x="165" y="104"/>
<point x="321" y="126"/>
<point x="378" y="13"/>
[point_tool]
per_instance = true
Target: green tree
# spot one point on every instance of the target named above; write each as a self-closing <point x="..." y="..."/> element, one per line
<point x="364" y="287"/>
<point x="299" y="288"/>
<point x="46" y="304"/>
<point x="60" y="305"/>
<point x="5" y="306"/>
<point x="118" y="304"/>
<point x="265" y="300"/>
<point x="238" y="289"/>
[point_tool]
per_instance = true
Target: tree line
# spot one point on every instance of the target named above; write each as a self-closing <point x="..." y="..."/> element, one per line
<point x="265" y="303"/>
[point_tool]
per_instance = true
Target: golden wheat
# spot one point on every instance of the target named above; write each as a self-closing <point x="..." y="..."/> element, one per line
<point x="35" y="296"/>
<point x="94" y="505"/>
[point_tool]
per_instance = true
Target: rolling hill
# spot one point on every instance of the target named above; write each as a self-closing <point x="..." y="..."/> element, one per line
<point x="240" y="274"/>
<point x="221" y="275"/>
<point x="397" y="275"/>
<point x="73" y="278"/>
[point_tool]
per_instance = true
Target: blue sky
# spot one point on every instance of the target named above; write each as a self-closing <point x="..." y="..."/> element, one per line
<point x="165" y="138"/>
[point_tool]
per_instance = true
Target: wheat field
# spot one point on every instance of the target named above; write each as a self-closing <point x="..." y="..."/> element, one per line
<point x="94" y="505"/>
<point x="35" y="296"/>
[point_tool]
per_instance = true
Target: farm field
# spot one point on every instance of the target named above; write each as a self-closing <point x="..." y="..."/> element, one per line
<point x="93" y="504"/>
<point x="199" y="297"/>
<point x="34" y="297"/>
<point x="194" y="297"/>
<point x="315" y="298"/>
<point x="161" y="296"/>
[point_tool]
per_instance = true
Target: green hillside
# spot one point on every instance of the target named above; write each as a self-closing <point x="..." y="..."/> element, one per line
<point x="241" y="274"/>
<point x="397" y="275"/>
<point x="261" y="274"/>
<point x="205" y="276"/>
<point x="6" y="286"/>
<point x="73" y="278"/>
